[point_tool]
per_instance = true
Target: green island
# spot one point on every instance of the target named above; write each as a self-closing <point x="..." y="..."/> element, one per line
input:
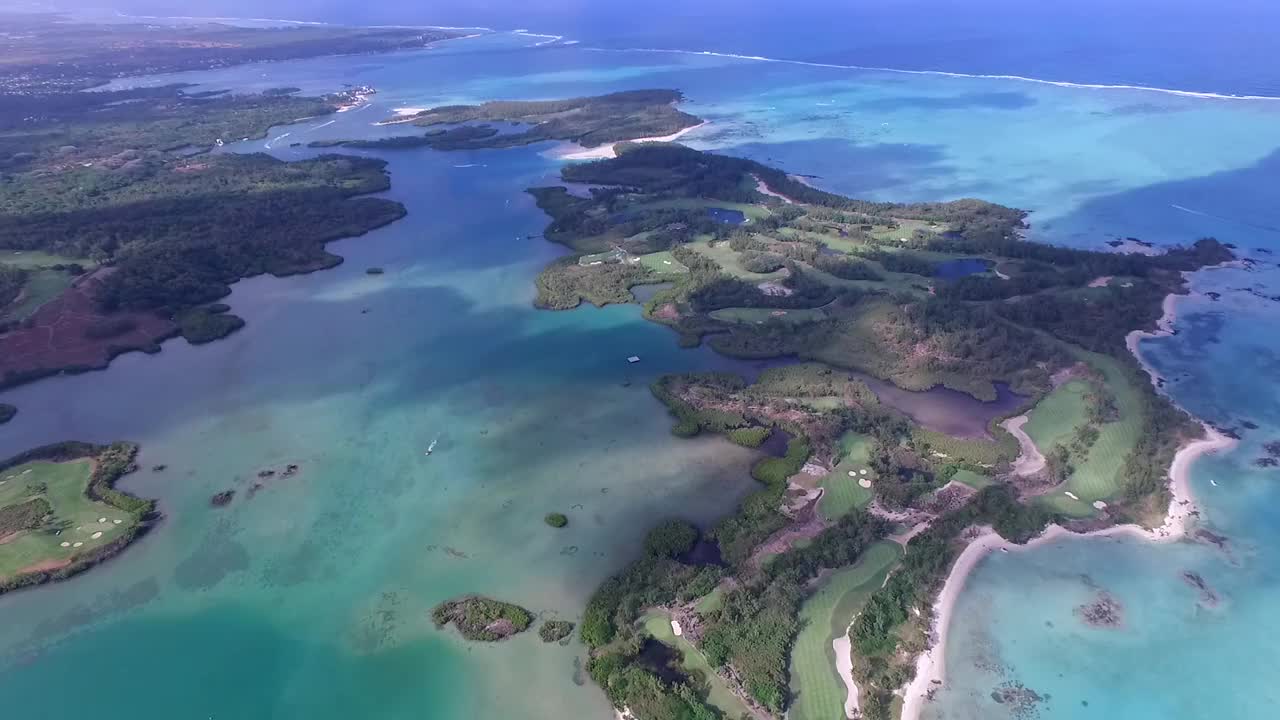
<point x="556" y="520"/>
<point x="482" y="619"/>
<point x="555" y="630"/>
<point x="587" y="121"/>
<point x="60" y="513"/>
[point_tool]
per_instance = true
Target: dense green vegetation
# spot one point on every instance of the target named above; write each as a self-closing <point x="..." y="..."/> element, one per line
<point x="60" y="513"/>
<point x="120" y="132"/>
<point x="201" y="325"/>
<point x="7" y="412"/>
<point x="556" y="520"/>
<point x="755" y="627"/>
<point x="751" y="630"/>
<point x="482" y="619"/>
<point x="12" y="279"/>
<point x="588" y="121"/>
<point x="123" y="178"/>
<point x="195" y="228"/>
<point x="44" y="51"/>
<point x="555" y="630"/>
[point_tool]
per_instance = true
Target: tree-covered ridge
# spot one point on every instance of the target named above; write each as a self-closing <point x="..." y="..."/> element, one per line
<point x="47" y="51"/>
<point x="124" y="181"/>
<point x="588" y="121"/>
<point x="177" y="233"/>
<point x="123" y="129"/>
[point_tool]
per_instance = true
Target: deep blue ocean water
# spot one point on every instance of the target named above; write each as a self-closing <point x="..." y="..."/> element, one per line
<point x="1200" y="45"/>
<point x="312" y="599"/>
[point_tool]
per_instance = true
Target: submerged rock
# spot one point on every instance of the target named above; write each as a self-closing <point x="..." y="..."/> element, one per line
<point x="1104" y="612"/>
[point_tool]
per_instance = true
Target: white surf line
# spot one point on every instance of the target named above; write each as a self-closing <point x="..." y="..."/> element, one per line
<point x="317" y="127"/>
<point x="944" y="73"/>
<point x="550" y="38"/>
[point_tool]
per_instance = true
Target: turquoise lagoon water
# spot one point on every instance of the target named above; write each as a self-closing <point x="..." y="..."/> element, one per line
<point x="311" y="596"/>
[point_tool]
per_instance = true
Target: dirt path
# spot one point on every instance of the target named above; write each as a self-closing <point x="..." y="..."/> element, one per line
<point x="1030" y="461"/>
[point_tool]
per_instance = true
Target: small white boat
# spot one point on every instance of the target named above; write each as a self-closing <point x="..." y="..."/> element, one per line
<point x="432" y="447"/>
<point x="1213" y="482"/>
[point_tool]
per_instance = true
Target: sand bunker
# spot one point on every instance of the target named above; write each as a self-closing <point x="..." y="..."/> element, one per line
<point x="76" y="544"/>
<point x="66" y="544"/>
<point x="864" y="483"/>
<point x="96" y="535"/>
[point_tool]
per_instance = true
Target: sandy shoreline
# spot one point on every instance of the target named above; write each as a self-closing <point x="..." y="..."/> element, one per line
<point x="567" y="151"/>
<point x="931" y="665"/>
<point x="1164" y="328"/>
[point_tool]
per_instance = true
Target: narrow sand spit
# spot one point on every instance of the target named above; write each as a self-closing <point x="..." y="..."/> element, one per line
<point x="1030" y="460"/>
<point x="603" y="152"/>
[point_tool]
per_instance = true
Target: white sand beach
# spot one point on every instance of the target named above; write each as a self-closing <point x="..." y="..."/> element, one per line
<point x="568" y="151"/>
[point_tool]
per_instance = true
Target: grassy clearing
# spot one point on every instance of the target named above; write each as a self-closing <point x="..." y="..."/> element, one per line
<point x="658" y="624"/>
<point x="608" y="256"/>
<point x="663" y="262"/>
<point x="754" y="212"/>
<point x="62" y="486"/>
<point x="711" y="602"/>
<point x="31" y="259"/>
<point x="1100" y="475"/>
<point x="842" y="493"/>
<point x="41" y="287"/>
<point x="1057" y="416"/>
<point x="759" y="316"/>
<point x="895" y="282"/>
<point x="971" y="450"/>
<point x="905" y="229"/>
<point x="730" y="261"/>
<point x="972" y="479"/>
<point x="819" y="692"/>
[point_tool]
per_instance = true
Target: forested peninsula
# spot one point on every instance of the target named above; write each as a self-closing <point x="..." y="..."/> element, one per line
<point x="758" y="264"/>
<point x="119" y="227"/>
<point x="122" y="230"/>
